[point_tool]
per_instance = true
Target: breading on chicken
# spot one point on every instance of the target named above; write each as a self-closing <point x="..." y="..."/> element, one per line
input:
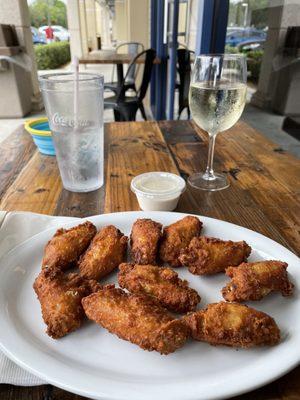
<point x="162" y="283"/>
<point x="135" y="318"/>
<point x="60" y="297"/>
<point x="253" y="281"/>
<point x="67" y="245"/>
<point x="176" y="237"/>
<point x="205" y="255"/>
<point x="233" y="324"/>
<point x="144" y="238"/>
<point x="106" y="251"/>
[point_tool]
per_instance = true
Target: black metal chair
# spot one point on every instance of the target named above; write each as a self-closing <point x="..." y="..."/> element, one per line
<point x="184" y="72"/>
<point x="126" y="107"/>
<point x="133" y="49"/>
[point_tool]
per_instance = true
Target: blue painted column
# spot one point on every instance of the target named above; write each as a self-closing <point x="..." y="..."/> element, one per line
<point x="211" y="35"/>
<point x="173" y="44"/>
<point x="205" y="24"/>
<point x="212" y="22"/>
<point x="159" y="78"/>
<point x="153" y="46"/>
<point x="220" y="20"/>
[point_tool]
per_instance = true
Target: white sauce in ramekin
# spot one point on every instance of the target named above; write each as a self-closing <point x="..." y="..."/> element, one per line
<point x="158" y="191"/>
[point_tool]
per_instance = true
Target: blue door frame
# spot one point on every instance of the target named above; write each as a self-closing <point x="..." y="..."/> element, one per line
<point x="213" y="18"/>
<point x="172" y="45"/>
<point x="158" y="96"/>
<point x="212" y="22"/>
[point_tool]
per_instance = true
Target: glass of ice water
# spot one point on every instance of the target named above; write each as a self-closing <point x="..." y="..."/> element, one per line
<point x="217" y="98"/>
<point x="75" y="112"/>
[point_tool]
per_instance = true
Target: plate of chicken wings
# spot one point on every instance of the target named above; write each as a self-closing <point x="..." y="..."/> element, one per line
<point x="151" y="305"/>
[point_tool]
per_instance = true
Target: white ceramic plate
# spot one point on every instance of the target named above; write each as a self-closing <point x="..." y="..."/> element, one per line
<point x="96" y="364"/>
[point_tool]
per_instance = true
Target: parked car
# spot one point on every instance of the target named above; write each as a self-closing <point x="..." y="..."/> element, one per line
<point x="249" y="45"/>
<point x="238" y="37"/>
<point x="60" y="33"/>
<point x="37" y="37"/>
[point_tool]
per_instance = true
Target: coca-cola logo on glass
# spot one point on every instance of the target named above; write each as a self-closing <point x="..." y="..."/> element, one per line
<point x="68" y="122"/>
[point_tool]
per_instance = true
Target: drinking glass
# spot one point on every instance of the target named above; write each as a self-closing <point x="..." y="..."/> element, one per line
<point x="74" y="108"/>
<point x="217" y="98"/>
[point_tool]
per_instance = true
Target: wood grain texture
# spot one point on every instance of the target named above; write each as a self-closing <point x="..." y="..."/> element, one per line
<point x="133" y="149"/>
<point x="30" y="181"/>
<point x="258" y="198"/>
<point x="19" y="148"/>
<point x="180" y="131"/>
<point x="263" y="196"/>
<point x="36" y="188"/>
<point x="115" y="58"/>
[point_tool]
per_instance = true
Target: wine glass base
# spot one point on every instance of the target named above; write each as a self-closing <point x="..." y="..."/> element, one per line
<point x="199" y="181"/>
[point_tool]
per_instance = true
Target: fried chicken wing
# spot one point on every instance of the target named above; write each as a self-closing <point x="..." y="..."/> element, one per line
<point x="106" y="251"/>
<point x="60" y="297"/>
<point x="253" y="281"/>
<point x="67" y="245"/>
<point x="162" y="283"/>
<point x="176" y="237"/>
<point x="233" y="324"/>
<point x="145" y="235"/>
<point x="135" y="318"/>
<point x="205" y="256"/>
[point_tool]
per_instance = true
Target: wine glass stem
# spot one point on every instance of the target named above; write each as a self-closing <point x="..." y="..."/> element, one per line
<point x="209" y="173"/>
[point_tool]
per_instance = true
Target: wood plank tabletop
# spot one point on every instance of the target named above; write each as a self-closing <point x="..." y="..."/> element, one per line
<point x="263" y="196"/>
<point x="112" y="58"/>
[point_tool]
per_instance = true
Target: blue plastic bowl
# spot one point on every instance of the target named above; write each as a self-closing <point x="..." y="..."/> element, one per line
<point x="41" y="135"/>
<point x="44" y="144"/>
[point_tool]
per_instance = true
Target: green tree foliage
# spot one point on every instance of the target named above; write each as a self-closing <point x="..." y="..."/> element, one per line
<point x="40" y="9"/>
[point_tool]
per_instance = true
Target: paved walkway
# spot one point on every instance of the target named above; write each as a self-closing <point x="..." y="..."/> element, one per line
<point x="270" y="125"/>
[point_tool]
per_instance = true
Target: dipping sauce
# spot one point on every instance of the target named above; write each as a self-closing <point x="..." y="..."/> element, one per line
<point x="158" y="191"/>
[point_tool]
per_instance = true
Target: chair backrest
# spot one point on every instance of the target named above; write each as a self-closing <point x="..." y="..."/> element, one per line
<point x="182" y="45"/>
<point x="134" y="48"/>
<point x="149" y="55"/>
<point x="184" y="71"/>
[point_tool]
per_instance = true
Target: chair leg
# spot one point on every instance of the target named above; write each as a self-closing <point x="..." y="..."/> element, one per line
<point x="128" y="112"/>
<point x="117" y="116"/>
<point x="143" y="111"/>
<point x="189" y="113"/>
<point x="180" y="109"/>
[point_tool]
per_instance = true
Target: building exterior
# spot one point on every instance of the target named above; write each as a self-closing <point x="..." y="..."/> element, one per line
<point x="99" y="25"/>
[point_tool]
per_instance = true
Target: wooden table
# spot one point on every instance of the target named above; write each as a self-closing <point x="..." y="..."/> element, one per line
<point x="262" y="196"/>
<point x="118" y="59"/>
<point x="112" y="58"/>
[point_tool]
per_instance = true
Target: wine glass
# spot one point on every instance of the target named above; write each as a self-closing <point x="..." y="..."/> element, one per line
<point x="217" y="98"/>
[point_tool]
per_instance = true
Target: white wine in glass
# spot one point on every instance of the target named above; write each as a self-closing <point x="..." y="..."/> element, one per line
<point x="217" y="98"/>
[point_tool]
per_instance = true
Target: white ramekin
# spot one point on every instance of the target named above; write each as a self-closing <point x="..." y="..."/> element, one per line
<point x="158" y="191"/>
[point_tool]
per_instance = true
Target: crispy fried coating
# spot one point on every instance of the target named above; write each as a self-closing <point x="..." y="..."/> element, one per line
<point x="67" y="245"/>
<point x="60" y="297"/>
<point x="233" y="324"/>
<point x="176" y="237"/>
<point x="106" y="251"/>
<point x="138" y="319"/>
<point x="205" y="256"/>
<point x="144" y="238"/>
<point x="162" y="283"/>
<point x="253" y="281"/>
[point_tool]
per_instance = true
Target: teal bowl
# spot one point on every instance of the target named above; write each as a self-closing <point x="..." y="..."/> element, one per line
<point x="44" y="144"/>
<point x="41" y="135"/>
